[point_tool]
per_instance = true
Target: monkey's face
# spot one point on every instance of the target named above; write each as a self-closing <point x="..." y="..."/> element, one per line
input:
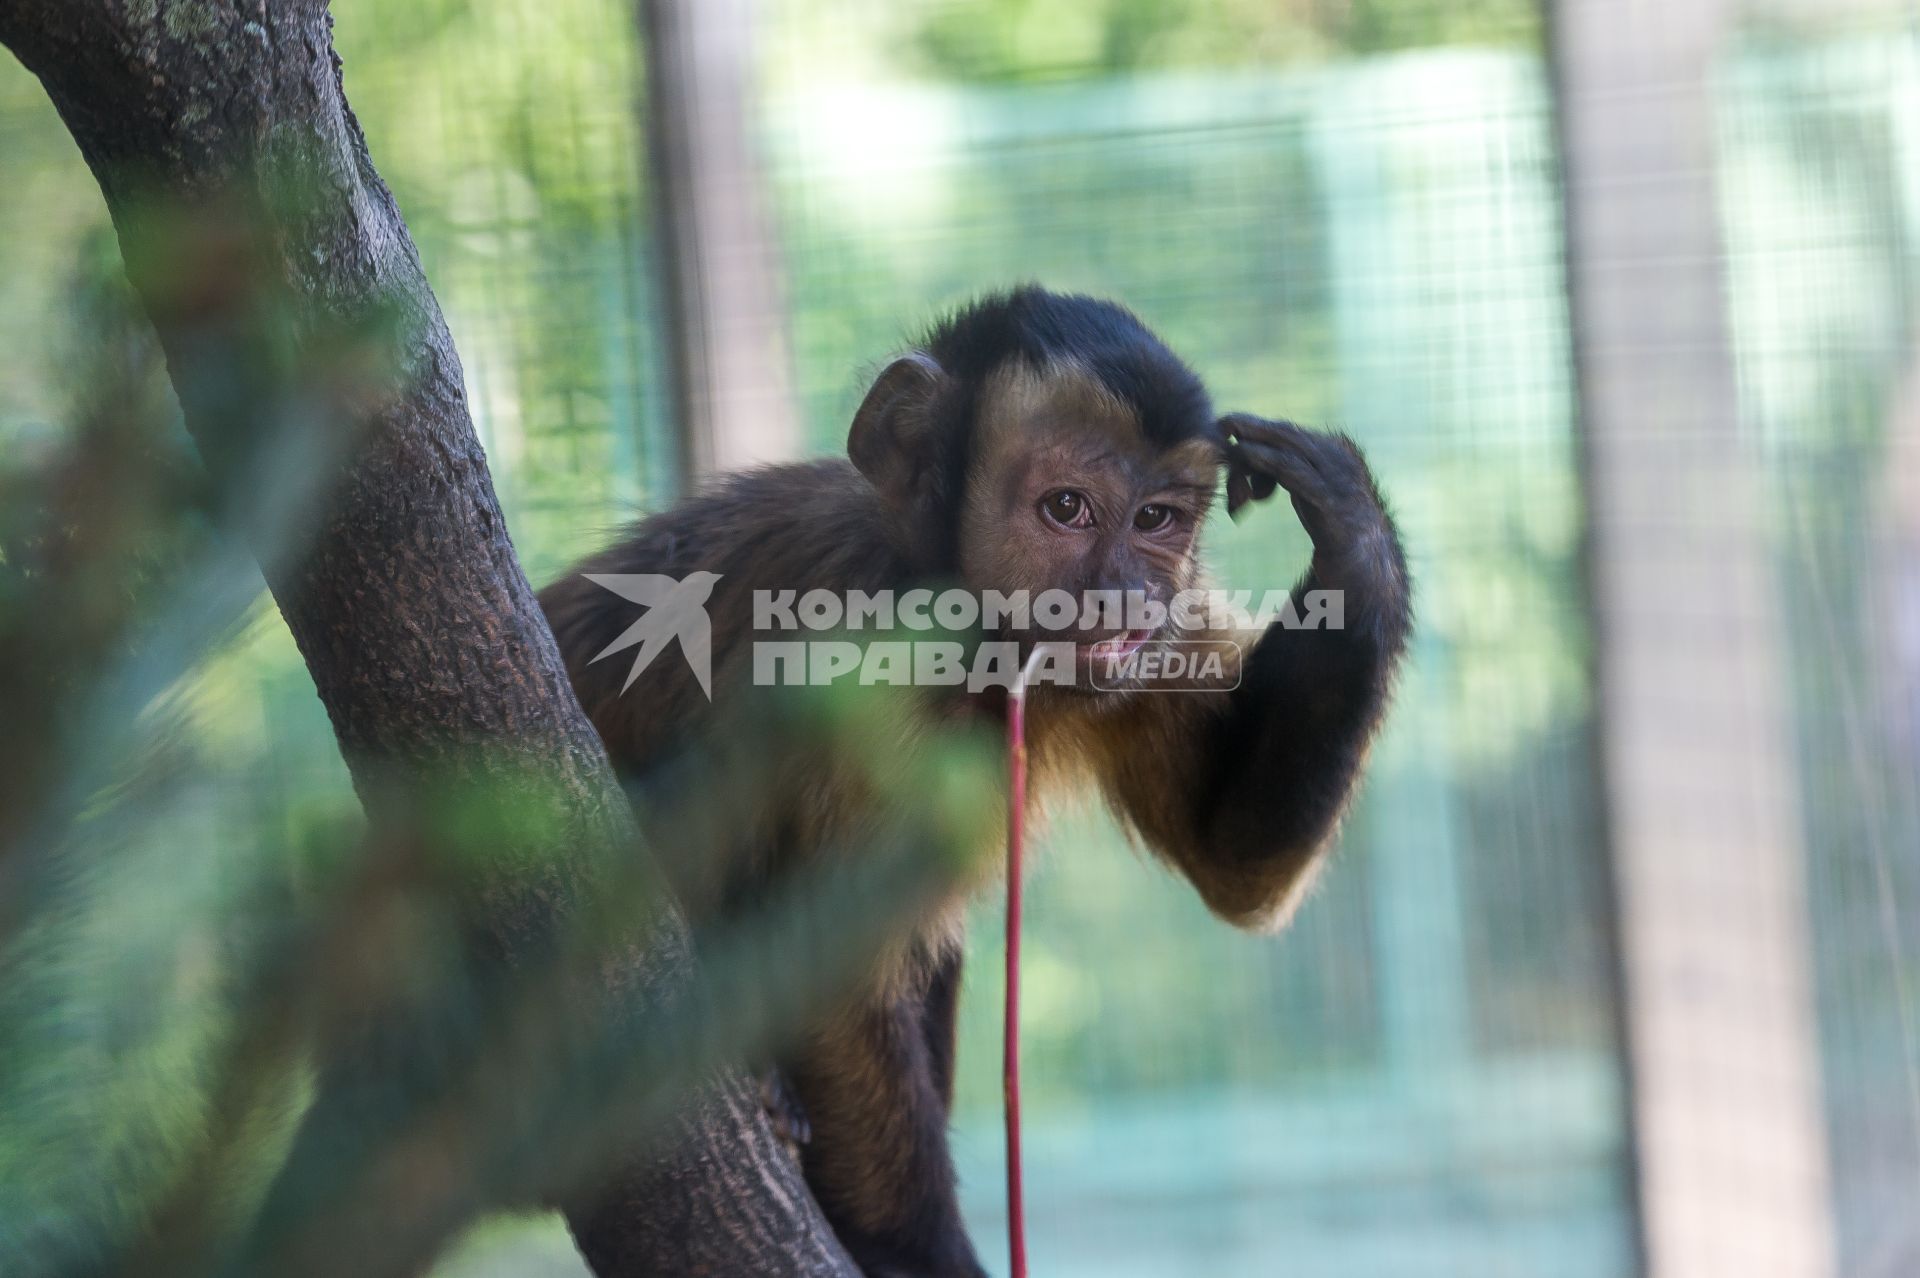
<point x="1065" y="491"/>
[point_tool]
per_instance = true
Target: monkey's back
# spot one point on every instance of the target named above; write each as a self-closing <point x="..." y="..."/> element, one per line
<point x="813" y="525"/>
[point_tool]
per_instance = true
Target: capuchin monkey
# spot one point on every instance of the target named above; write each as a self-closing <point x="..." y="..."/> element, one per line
<point x="1032" y="441"/>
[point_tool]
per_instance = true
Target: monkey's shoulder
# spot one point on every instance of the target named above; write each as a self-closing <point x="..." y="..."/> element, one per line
<point x="794" y="517"/>
<point x="775" y="530"/>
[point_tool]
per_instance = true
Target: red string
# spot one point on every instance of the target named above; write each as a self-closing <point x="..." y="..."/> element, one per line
<point x="1010" y="1054"/>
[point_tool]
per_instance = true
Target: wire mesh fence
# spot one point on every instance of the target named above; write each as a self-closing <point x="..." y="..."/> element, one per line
<point x="1351" y="216"/>
<point x="1821" y="211"/>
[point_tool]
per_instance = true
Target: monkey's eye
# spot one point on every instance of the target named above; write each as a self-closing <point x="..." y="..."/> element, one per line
<point x="1067" y="508"/>
<point x="1153" y="517"/>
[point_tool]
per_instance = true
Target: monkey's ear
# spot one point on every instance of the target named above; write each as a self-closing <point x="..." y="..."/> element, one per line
<point x="892" y="438"/>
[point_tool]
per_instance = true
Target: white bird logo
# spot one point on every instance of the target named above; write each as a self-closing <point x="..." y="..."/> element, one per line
<point x="675" y="609"/>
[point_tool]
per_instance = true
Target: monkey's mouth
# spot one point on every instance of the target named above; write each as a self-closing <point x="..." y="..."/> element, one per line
<point x="1115" y="647"/>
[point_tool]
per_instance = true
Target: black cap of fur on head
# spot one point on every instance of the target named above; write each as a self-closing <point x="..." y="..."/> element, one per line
<point x="1039" y="328"/>
<point x="914" y="434"/>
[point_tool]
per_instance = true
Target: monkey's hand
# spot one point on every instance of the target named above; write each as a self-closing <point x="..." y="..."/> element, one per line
<point x="1272" y="771"/>
<point x="1355" y="547"/>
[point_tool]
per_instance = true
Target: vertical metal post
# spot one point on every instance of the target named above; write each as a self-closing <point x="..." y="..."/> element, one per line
<point x="727" y="346"/>
<point x="1701" y="779"/>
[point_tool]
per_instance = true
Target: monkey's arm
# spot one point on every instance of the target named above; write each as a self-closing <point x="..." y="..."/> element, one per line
<point x="1243" y="790"/>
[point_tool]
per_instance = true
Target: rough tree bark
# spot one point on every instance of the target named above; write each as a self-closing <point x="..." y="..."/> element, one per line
<point x="407" y="601"/>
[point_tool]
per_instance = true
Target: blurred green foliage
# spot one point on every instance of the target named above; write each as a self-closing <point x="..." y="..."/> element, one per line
<point x="466" y="983"/>
<point x="1027" y="40"/>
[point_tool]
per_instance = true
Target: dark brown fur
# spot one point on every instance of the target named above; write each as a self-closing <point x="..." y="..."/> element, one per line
<point x="1239" y="789"/>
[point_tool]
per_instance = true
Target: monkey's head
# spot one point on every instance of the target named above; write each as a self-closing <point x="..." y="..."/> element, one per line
<point x="1037" y="441"/>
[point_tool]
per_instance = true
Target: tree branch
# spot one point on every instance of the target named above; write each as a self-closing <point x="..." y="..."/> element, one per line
<point x="228" y="119"/>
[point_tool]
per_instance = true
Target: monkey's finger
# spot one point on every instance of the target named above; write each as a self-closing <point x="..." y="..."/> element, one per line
<point x="1266" y="430"/>
<point x="1333" y="455"/>
<point x="1285" y="465"/>
<point x="1330" y="467"/>
<point x="1239" y="490"/>
<point x="1336" y="457"/>
<point x="1331" y="488"/>
<point x="1246" y="435"/>
<point x="1245" y="485"/>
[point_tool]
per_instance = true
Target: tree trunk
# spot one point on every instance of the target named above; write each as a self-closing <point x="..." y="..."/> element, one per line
<point x="406" y="600"/>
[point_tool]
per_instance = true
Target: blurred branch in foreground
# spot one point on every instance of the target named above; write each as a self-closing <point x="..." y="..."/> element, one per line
<point x="502" y="1001"/>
